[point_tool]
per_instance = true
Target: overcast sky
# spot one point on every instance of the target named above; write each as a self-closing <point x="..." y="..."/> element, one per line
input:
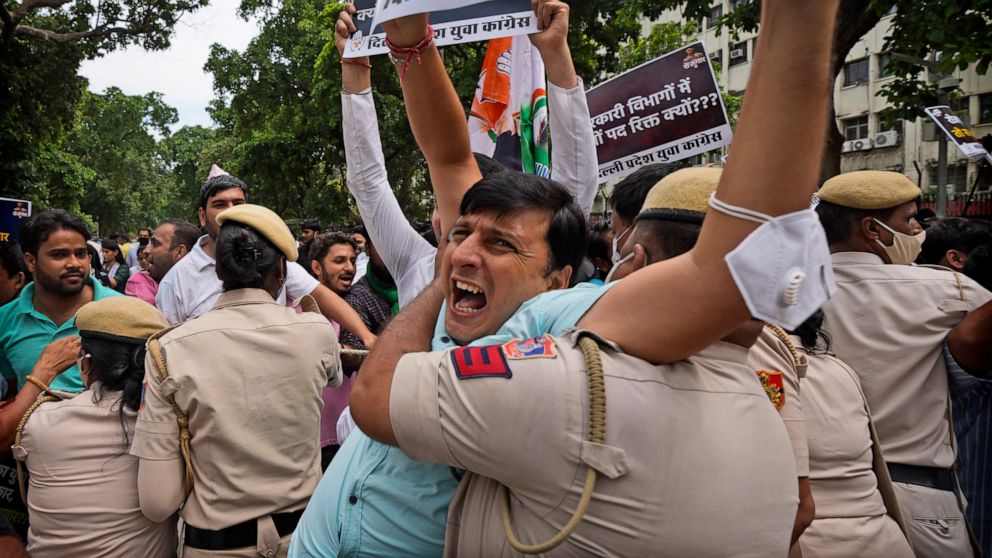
<point x="177" y="73"/>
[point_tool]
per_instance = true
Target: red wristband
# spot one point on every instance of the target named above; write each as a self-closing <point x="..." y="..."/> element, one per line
<point x="404" y="56"/>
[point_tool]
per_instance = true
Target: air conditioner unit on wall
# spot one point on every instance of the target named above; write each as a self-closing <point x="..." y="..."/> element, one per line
<point x="736" y="53"/>
<point x="860" y="144"/>
<point x="846" y="147"/>
<point x="887" y="139"/>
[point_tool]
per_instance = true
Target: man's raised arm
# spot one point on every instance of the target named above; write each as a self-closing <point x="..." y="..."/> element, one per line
<point x="435" y="113"/>
<point x="774" y="163"/>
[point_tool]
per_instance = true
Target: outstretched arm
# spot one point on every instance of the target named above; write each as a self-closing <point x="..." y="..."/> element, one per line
<point x="436" y="118"/>
<point x="408" y="257"/>
<point x="690" y="301"/>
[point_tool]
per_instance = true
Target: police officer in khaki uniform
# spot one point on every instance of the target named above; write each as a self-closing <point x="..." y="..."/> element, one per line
<point x="889" y="321"/>
<point x="83" y="498"/>
<point x="247" y="377"/>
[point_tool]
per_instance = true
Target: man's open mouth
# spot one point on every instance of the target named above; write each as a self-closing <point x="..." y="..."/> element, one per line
<point x="467" y="298"/>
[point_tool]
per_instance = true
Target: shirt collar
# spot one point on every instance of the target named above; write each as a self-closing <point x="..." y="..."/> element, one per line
<point x="856" y="258"/>
<point x="240" y="297"/>
<point x="200" y="258"/>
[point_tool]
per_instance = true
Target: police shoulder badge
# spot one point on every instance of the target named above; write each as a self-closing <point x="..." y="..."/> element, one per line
<point x="480" y="362"/>
<point x="774" y="387"/>
<point x="535" y="347"/>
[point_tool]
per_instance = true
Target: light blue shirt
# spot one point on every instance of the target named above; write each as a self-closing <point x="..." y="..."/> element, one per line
<point x="373" y="500"/>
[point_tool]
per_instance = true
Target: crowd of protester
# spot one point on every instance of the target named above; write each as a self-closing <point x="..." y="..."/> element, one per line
<point x="513" y="377"/>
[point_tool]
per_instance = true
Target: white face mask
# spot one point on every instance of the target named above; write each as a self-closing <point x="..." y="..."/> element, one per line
<point x="905" y="247"/>
<point x="616" y="244"/>
<point x="616" y="266"/>
<point x="782" y="269"/>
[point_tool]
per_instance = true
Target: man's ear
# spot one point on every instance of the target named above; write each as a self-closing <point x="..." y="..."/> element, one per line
<point x="956" y="259"/>
<point x="30" y="262"/>
<point x="869" y="228"/>
<point x="20" y="281"/>
<point x="202" y="213"/>
<point x="179" y="253"/>
<point x="560" y="278"/>
<point x="315" y="266"/>
<point x="640" y="258"/>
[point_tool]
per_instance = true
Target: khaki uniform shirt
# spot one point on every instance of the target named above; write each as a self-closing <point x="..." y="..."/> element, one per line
<point x="889" y="323"/>
<point x="770" y="356"/>
<point x="693" y="462"/>
<point x="249" y="375"/>
<point x="83" y="493"/>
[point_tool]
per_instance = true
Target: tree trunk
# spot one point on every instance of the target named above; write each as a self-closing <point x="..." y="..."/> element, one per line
<point x="854" y="19"/>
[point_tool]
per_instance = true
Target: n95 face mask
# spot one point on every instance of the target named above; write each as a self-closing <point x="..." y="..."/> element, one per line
<point x="783" y="268"/>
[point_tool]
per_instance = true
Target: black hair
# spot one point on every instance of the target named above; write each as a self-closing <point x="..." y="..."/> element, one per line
<point x="184" y="233"/>
<point x="94" y="255"/>
<point x="12" y="260"/>
<point x="109" y="244"/>
<point x="311" y="224"/>
<point x="953" y="233"/>
<point x="145" y="229"/>
<point x="512" y="191"/>
<point x="979" y="265"/>
<point x="811" y="333"/>
<point x="667" y="238"/>
<point x="39" y="227"/>
<point x="839" y="222"/>
<point x="360" y="229"/>
<point x="489" y="166"/>
<point x="628" y="194"/>
<point x="217" y="184"/>
<point x="119" y="366"/>
<point x="244" y="257"/>
<point x="323" y="242"/>
<point x="597" y="246"/>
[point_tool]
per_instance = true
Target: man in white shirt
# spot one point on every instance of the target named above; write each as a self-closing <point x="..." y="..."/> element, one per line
<point x="192" y="287"/>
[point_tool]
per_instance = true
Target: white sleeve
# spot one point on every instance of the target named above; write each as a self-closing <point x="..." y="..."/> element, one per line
<point x="399" y="245"/>
<point x="344" y="425"/>
<point x="167" y="301"/>
<point x="299" y="283"/>
<point x="573" y="148"/>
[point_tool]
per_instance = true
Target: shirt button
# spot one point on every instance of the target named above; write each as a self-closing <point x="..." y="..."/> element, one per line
<point x="445" y="339"/>
<point x="353" y="499"/>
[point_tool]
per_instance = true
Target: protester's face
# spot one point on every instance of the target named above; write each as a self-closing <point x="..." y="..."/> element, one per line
<point x="359" y="240"/>
<point x="143" y="259"/>
<point x="109" y="256"/>
<point x="62" y="263"/>
<point x="307" y="235"/>
<point x="144" y="233"/>
<point x="337" y="269"/>
<point x="493" y="266"/>
<point x="160" y="257"/>
<point x="217" y="203"/>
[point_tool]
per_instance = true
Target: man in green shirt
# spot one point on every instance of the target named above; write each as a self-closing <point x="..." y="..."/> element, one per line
<point x="54" y="244"/>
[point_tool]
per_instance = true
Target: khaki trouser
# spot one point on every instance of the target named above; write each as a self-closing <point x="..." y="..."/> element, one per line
<point x="269" y="545"/>
<point x="934" y="520"/>
<point x="843" y="537"/>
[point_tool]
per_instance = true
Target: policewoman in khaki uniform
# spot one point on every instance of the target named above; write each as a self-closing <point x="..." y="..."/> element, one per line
<point x="889" y="322"/>
<point x="246" y="377"/>
<point x="83" y="490"/>
<point x="856" y="509"/>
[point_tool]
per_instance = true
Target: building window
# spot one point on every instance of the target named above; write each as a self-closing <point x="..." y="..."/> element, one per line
<point x="716" y="12"/>
<point x="856" y="72"/>
<point x="957" y="177"/>
<point x="717" y="56"/>
<point x="883" y="61"/>
<point x="734" y="4"/>
<point x="855" y="128"/>
<point x="985" y="108"/>
<point x="699" y="25"/>
<point x="738" y="53"/>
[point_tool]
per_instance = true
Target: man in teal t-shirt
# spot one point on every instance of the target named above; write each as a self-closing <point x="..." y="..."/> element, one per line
<point x="55" y="251"/>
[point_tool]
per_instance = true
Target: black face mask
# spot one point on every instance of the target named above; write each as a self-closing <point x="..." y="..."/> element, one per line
<point x="142" y="241"/>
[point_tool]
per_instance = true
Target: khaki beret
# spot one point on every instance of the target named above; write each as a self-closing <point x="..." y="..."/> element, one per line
<point x="869" y="190"/>
<point x="266" y="222"/>
<point x="682" y="195"/>
<point x="120" y="318"/>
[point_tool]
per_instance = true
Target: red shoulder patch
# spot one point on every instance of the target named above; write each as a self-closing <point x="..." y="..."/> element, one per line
<point x="774" y="387"/>
<point x="480" y="362"/>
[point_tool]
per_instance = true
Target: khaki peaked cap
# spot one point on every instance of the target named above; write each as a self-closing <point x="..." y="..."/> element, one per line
<point x="683" y="195"/>
<point x="266" y="222"/>
<point x="869" y="190"/>
<point x="121" y="318"/>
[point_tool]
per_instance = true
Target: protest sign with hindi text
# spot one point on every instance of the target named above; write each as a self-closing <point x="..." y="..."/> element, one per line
<point x="662" y="111"/>
<point x="957" y="131"/>
<point x="465" y="24"/>
<point x="12" y="214"/>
